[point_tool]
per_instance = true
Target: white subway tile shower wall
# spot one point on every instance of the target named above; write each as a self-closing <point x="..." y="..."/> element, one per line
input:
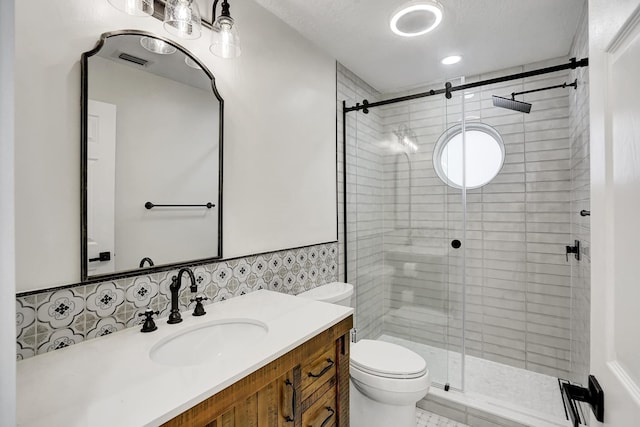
<point x="580" y="199"/>
<point x="48" y="321"/>
<point x="518" y="285"/>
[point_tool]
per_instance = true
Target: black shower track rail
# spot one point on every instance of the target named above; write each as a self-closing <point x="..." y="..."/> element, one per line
<point x="449" y="88"/>
<point x="447" y="91"/>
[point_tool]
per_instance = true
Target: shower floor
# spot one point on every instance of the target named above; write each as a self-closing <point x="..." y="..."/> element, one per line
<point x="515" y="387"/>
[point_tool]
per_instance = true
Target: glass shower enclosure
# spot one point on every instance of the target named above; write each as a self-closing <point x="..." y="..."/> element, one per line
<point x="457" y="214"/>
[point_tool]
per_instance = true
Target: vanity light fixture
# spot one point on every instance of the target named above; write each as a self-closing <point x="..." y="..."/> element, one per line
<point x="157" y="46"/>
<point x="182" y="19"/>
<point x="450" y="60"/>
<point x="416" y="18"/>
<point x="225" y="41"/>
<point x="140" y="8"/>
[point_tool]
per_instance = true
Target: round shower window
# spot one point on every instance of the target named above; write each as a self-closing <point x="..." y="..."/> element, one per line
<point x="483" y="160"/>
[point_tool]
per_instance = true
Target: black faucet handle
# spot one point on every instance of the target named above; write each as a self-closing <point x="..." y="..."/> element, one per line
<point x="199" y="309"/>
<point x="149" y="325"/>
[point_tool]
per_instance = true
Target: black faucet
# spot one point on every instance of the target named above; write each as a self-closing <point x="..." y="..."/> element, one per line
<point x="174" y="287"/>
<point x="147" y="260"/>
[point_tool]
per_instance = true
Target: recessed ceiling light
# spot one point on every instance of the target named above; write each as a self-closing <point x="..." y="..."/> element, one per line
<point x="416" y="18"/>
<point x="450" y="60"/>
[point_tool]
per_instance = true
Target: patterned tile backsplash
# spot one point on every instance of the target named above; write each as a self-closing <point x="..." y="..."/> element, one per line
<point x="55" y="319"/>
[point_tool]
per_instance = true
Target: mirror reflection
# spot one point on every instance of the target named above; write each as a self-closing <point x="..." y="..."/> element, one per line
<point x="152" y="141"/>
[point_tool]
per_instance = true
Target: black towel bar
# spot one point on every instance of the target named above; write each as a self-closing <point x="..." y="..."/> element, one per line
<point x="150" y="205"/>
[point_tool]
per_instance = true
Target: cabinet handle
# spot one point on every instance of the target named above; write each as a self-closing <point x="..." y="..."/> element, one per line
<point x="291" y="418"/>
<point x="327" y="419"/>
<point x="324" y="370"/>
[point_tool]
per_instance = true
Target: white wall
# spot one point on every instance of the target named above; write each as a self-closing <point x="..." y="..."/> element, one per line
<point x="172" y="159"/>
<point x="279" y="147"/>
<point x="7" y="238"/>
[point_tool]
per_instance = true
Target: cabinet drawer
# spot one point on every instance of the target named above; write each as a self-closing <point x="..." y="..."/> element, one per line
<point x="317" y="370"/>
<point x="323" y="413"/>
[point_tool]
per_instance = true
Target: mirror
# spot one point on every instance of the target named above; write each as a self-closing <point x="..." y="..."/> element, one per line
<point x="151" y="157"/>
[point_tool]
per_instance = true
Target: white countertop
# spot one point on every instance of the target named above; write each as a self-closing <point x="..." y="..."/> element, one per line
<point x="111" y="381"/>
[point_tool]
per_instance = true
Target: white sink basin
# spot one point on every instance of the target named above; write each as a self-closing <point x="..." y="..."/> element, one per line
<point x="212" y="341"/>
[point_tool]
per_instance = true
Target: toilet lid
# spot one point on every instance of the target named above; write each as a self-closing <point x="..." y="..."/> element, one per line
<point x="385" y="359"/>
<point x="331" y="292"/>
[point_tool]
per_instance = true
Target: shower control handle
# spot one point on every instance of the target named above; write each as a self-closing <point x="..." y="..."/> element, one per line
<point x="455" y="243"/>
<point x="575" y="250"/>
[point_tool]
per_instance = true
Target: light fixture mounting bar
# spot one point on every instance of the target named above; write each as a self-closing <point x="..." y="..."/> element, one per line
<point x="158" y="13"/>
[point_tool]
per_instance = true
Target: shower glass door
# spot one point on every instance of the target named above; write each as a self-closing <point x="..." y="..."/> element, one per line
<point x="402" y="221"/>
<point x="449" y="168"/>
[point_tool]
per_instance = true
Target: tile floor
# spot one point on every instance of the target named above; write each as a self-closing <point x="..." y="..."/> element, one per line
<point x="428" y="419"/>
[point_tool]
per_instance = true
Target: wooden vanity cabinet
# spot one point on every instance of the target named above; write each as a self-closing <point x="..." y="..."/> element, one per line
<point x="307" y="387"/>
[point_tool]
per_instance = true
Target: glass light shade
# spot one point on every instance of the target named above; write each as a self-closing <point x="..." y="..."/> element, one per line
<point x="191" y="63"/>
<point x="157" y="46"/>
<point x="139" y="8"/>
<point x="225" y="41"/>
<point x="182" y="19"/>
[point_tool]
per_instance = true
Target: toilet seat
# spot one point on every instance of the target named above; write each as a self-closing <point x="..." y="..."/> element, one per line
<point x="386" y="360"/>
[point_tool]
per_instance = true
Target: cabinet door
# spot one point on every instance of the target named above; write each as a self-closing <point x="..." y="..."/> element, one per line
<point x="275" y="405"/>
<point x="289" y="401"/>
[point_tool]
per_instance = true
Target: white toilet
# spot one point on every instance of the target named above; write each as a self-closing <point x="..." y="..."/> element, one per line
<point x="386" y="379"/>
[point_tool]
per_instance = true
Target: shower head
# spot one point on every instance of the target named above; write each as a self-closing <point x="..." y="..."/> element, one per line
<point x="511" y="104"/>
<point x="525" y="107"/>
<point x="406" y="138"/>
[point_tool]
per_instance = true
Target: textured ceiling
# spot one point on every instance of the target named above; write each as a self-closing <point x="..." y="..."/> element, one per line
<point x="489" y="35"/>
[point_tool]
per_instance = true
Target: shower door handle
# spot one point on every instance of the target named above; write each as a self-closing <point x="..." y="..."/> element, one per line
<point x="455" y="243"/>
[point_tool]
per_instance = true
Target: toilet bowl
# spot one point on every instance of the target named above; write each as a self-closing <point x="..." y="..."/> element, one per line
<point x="386" y="382"/>
<point x="386" y="379"/>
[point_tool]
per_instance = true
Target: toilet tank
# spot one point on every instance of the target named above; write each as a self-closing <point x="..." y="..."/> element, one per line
<point x="335" y="292"/>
